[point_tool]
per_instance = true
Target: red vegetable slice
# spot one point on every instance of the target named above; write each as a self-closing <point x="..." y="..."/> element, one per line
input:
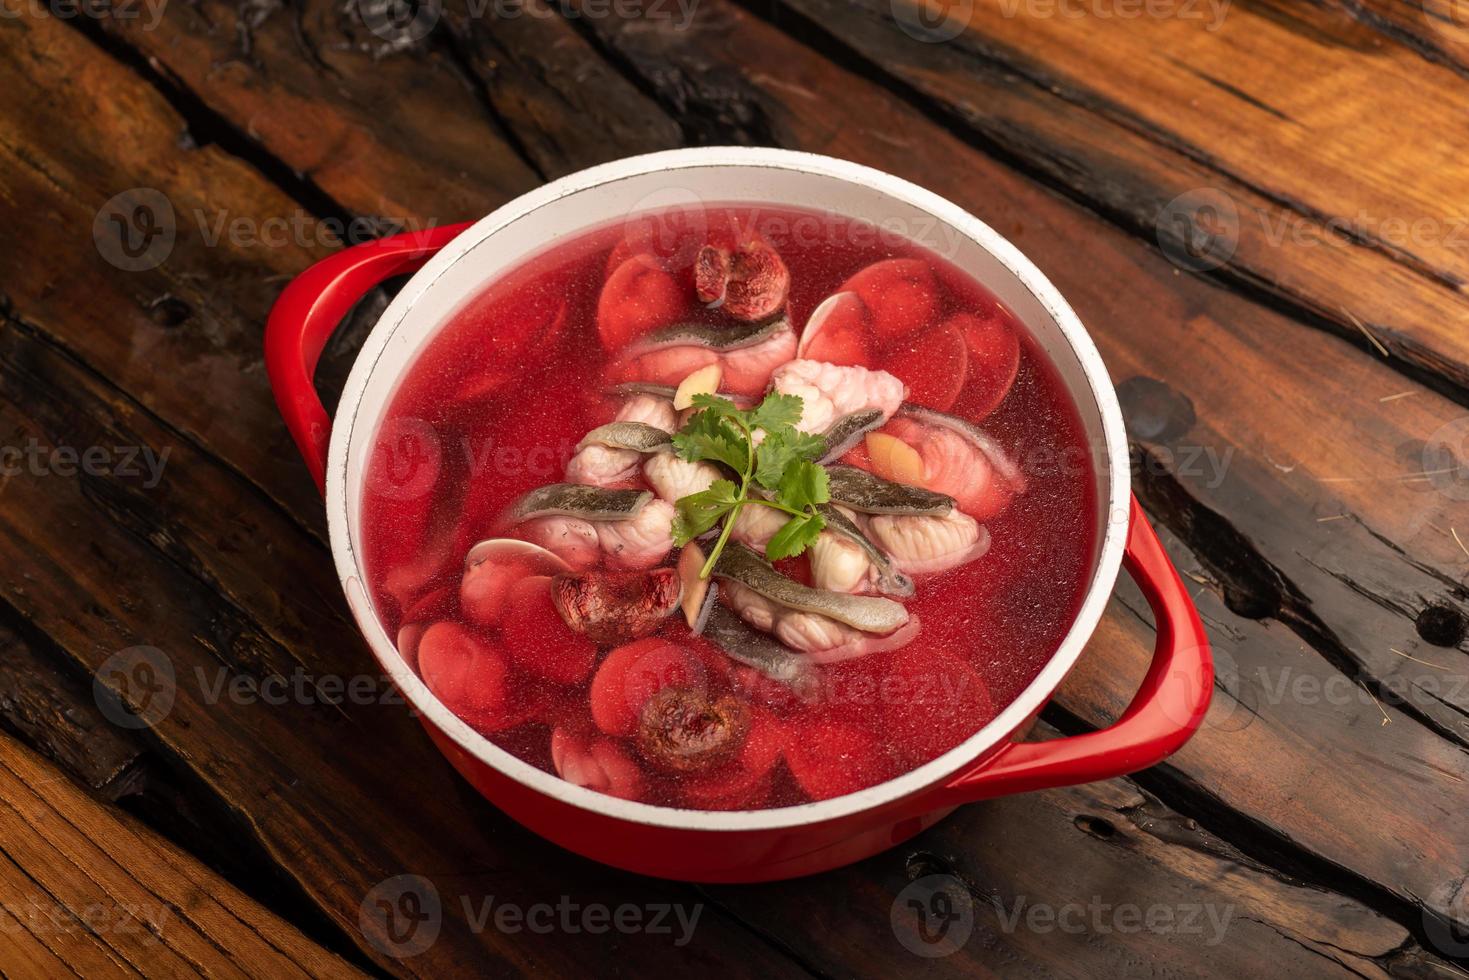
<point x="467" y="673"/>
<point x="901" y="295"/>
<point x="596" y="762"/>
<point x="837" y="333"/>
<point x="994" y="361"/>
<point x="536" y="639"/>
<point x="637" y="297"/>
<point x="484" y="589"/>
<point x="831" y="758"/>
<point x="933" y="365"/>
<point x="633" y="673"/>
<point x="409" y="637"/>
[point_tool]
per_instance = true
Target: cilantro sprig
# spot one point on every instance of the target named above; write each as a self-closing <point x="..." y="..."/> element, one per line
<point x="775" y="469"/>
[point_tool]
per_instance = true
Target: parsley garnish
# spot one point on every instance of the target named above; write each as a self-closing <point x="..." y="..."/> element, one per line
<point x="780" y="472"/>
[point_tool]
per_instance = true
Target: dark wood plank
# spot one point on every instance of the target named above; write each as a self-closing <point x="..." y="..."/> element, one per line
<point x="1280" y="441"/>
<point x="1099" y="880"/>
<point x="89" y="888"/>
<point x="1335" y="185"/>
<point x="183" y="334"/>
<point x="568" y="107"/>
<point x="56" y="713"/>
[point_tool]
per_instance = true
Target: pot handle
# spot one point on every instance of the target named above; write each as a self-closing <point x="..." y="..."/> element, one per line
<point x="1164" y="713"/>
<point x="307" y="312"/>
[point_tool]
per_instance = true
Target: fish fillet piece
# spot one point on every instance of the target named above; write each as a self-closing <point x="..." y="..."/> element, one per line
<point x="571" y="539"/>
<point x="924" y="545"/>
<point x="820" y="637"/>
<point x="830" y="391"/>
<point x="641" y="541"/>
<point x="606" y="466"/>
<point x="672" y="477"/>
<point x="756" y="525"/>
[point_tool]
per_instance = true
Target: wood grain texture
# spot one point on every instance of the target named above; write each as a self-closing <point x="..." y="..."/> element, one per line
<point x="56" y="712"/>
<point x="1130" y="889"/>
<point x="89" y="891"/>
<point x="1330" y="186"/>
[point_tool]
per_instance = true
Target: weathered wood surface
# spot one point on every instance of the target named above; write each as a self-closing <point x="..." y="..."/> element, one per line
<point x="1317" y="520"/>
<point x="89" y="891"/>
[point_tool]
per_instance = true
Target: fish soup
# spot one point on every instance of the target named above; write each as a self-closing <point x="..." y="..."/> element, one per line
<point x="730" y="509"/>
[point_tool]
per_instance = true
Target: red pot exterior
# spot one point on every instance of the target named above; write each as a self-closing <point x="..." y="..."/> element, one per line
<point x="722" y="856"/>
<point x="1165" y="712"/>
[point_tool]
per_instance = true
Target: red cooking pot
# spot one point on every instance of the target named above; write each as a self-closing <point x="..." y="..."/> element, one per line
<point x="451" y="264"/>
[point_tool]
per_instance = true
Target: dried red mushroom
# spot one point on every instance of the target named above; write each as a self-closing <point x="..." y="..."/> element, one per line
<point x="683" y="730"/>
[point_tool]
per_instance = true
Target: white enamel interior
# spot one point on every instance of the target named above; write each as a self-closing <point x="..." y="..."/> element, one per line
<point x="756" y="176"/>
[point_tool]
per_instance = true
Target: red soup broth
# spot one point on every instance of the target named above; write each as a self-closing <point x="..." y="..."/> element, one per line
<point x="496" y="403"/>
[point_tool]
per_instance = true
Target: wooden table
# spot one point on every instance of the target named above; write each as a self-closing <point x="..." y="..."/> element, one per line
<point x="1258" y="209"/>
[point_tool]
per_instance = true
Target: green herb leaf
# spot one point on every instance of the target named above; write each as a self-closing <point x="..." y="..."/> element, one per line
<point x="715" y="405"/>
<point x="698" y="512"/>
<point x="781" y="468"/>
<point x="776" y="412"/>
<point x="779" y="450"/>
<point x="803" y="485"/>
<point x="711" y="436"/>
<point x="795" y="536"/>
